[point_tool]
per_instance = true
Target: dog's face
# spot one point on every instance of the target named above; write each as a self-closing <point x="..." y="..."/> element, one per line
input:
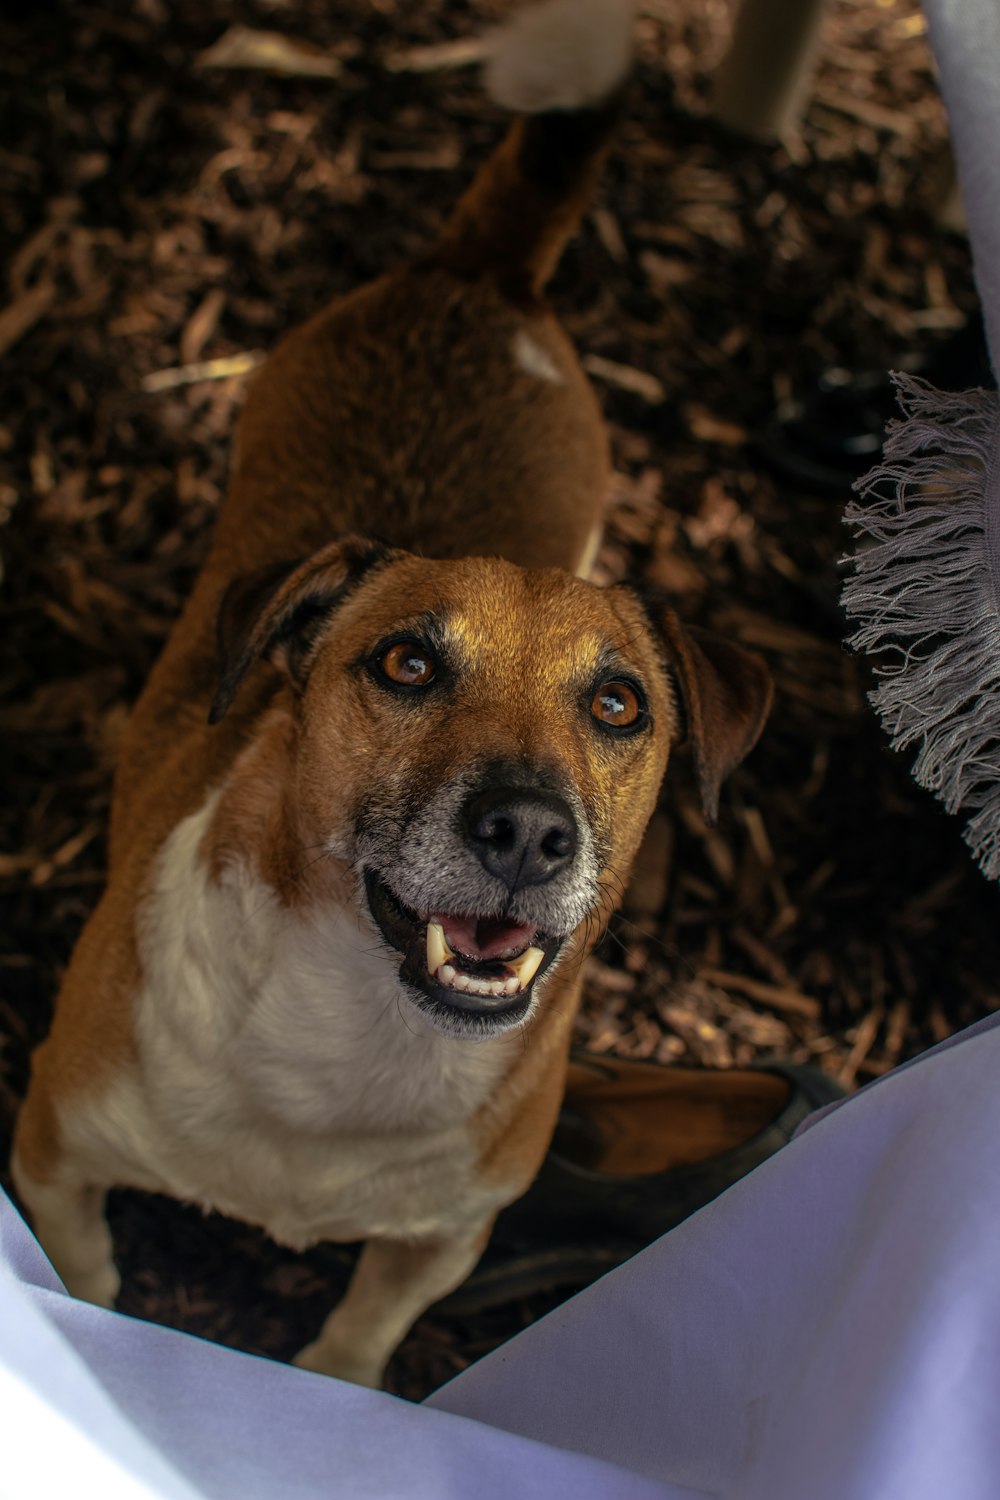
<point x="482" y="745"/>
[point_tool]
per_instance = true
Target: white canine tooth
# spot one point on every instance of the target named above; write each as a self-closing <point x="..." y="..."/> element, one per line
<point x="447" y="974"/>
<point x="438" y="952"/>
<point x="511" y="985"/>
<point x="526" y="967"/>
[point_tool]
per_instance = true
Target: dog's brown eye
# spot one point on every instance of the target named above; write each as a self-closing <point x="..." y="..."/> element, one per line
<point x="616" y="704"/>
<point x="408" y="663"/>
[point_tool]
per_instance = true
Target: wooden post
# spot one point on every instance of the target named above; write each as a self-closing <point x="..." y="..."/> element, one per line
<point x="764" y="81"/>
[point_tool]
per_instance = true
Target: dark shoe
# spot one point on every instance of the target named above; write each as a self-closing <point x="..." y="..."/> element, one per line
<point x="637" y="1148"/>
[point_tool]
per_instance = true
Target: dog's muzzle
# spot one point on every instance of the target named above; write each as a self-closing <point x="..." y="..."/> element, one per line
<point x="479" y="969"/>
<point x="521" y="836"/>
<point x="480" y="895"/>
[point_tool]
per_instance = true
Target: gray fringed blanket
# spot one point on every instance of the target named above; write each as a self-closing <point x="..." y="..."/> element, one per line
<point x="925" y="588"/>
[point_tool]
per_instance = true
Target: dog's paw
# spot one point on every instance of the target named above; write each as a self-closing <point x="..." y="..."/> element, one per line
<point x="100" y="1286"/>
<point x="561" y="54"/>
<point x="326" y="1358"/>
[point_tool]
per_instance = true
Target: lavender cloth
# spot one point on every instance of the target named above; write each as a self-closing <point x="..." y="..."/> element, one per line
<point x="93" y="1403"/>
<point x="829" y="1328"/>
<point x="965" y="39"/>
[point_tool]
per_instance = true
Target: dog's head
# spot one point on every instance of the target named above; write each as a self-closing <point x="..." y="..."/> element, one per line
<point x="482" y="745"/>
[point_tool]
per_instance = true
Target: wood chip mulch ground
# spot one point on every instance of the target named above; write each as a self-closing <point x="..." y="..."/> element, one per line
<point x="166" y="212"/>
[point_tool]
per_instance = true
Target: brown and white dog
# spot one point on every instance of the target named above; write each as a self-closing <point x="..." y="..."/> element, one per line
<point x="330" y="987"/>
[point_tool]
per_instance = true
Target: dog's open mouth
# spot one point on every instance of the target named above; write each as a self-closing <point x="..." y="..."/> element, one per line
<point x="479" y="964"/>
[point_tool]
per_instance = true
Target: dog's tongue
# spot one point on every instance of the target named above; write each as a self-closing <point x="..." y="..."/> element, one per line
<point x="486" y="937"/>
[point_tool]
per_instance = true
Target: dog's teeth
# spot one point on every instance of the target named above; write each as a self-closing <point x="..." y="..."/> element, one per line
<point x="438" y="952"/>
<point x="526" y="967"/>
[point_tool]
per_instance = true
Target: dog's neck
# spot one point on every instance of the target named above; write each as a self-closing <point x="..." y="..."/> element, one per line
<point x="255" y="824"/>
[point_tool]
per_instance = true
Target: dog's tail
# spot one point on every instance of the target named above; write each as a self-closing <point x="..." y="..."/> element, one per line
<point x="562" y="67"/>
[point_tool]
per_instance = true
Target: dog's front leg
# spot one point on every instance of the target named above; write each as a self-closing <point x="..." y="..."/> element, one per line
<point x="394" y="1282"/>
<point x="68" y="1219"/>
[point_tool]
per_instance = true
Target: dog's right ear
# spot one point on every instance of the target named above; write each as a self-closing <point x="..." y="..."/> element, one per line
<point x="285" y="606"/>
<point x="726" y="694"/>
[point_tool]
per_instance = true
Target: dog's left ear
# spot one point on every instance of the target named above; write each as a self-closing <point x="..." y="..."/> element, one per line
<point x="726" y="693"/>
<point x="284" y="606"/>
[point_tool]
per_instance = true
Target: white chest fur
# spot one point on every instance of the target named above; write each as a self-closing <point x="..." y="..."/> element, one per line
<point x="284" y="1078"/>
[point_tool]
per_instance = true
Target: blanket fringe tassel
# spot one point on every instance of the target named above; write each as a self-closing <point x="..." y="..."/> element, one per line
<point x="926" y="591"/>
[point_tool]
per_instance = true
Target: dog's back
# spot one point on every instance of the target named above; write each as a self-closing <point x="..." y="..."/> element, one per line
<point x="442" y="406"/>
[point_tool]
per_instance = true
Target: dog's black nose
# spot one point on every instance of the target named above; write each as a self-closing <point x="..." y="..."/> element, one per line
<point x="522" y="837"/>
